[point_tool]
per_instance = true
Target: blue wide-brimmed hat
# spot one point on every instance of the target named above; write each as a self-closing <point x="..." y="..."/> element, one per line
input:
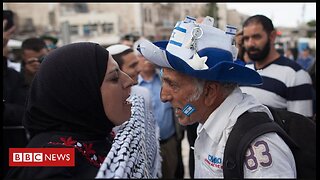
<point x="202" y="51"/>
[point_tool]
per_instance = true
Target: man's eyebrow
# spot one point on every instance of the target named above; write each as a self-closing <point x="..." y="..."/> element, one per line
<point x="253" y="35"/>
<point x="133" y="64"/>
<point x="168" y="80"/>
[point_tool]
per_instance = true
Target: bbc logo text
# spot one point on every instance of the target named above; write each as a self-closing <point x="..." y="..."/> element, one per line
<point x="41" y="156"/>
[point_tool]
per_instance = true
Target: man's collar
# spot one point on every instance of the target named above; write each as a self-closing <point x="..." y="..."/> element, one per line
<point x="219" y="119"/>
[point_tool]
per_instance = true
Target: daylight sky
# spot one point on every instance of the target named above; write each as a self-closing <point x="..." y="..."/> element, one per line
<point x="282" y="14"/>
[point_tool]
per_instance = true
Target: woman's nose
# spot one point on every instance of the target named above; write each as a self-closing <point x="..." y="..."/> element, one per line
<point x="128" y="81"/>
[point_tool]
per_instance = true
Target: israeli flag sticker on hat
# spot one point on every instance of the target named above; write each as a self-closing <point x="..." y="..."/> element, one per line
<point x="202" y="51"/>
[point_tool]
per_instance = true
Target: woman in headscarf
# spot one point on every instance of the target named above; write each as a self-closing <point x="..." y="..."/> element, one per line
<point x="76" y="98"/>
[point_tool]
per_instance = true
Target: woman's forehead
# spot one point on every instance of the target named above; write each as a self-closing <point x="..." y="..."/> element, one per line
<point x="112" y="64"/>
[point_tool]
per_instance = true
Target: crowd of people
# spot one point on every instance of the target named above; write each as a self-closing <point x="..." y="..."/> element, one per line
<point x="200" y="81"/>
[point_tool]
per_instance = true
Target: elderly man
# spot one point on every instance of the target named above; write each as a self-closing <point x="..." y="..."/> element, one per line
<point x="200" y="79"/>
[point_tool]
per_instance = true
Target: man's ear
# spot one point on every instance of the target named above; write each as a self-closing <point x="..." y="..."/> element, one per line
<point x="211" y="92"/>
<point x="273" y="36"/>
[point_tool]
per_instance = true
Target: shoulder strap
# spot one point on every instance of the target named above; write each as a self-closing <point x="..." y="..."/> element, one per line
<point x="248" y="127"/>
<point x="281" y="118"/>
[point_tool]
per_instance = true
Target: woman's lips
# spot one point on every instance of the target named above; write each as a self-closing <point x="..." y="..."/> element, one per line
<point x="128" y="101"/>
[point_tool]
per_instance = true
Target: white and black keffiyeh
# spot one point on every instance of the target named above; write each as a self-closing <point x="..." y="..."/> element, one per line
<point x="135" y="151"/>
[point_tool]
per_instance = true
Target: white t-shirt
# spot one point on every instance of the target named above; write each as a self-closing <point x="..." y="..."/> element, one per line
<point x="285" y="86"/>
<point x="269" y="156"/>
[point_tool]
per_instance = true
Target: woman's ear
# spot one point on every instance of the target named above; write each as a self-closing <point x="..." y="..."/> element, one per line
<point x="211" y="92"/>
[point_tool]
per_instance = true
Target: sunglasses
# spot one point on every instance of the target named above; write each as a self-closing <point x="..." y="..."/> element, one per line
<point x="35" y="59"/>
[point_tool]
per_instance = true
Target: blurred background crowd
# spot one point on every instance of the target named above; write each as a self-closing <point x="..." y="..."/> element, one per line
<point x="106" y="23"/>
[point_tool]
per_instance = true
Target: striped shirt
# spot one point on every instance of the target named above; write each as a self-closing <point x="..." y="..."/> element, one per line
<point x="285" y="85"/>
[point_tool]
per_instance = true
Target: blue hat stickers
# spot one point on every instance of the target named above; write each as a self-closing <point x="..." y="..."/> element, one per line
<point x="202" y="51"/>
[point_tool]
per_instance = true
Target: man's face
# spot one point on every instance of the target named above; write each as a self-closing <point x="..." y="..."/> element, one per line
<point x="256" y="42"/>
<point x="130" y="65"/>
<point x="127" y="43"/>
<point x="178" y="89"/>
<point x="305" y="53"/>
<point x="238" y="39"/>
<point x="32" y="59"/>
<point x="145" y="65"/>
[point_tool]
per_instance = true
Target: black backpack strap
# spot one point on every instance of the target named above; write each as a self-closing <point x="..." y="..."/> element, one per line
<point x="248" y="127"/>
<point x="280" y="117"/>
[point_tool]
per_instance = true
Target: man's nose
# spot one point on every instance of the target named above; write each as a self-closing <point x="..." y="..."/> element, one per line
<point x="250" y="42"/>
<point x="165" y="95"/>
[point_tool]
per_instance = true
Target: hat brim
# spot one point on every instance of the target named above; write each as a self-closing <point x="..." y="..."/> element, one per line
<point x="224" y="71"/>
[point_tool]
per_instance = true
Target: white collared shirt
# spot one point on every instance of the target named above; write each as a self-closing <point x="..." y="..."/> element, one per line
<point x="269" y="155"/>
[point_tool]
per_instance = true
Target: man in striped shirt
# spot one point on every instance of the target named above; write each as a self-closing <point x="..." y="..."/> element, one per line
<point x="285" y="84"/>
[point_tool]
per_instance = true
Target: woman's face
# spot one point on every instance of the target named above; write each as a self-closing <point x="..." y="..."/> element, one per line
<point x="115" y="91"/>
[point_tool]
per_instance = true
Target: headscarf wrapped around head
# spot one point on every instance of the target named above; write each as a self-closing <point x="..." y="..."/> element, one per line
<point x="65" y="93"/>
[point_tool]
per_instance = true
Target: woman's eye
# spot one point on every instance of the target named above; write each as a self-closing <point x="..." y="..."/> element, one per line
<point x="115" y="79"/>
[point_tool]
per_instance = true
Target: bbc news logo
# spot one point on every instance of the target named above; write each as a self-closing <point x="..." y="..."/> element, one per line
<point x="41" y="156"/>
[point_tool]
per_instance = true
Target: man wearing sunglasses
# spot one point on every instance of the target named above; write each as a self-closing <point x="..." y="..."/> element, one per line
<point x="33" y="52"/>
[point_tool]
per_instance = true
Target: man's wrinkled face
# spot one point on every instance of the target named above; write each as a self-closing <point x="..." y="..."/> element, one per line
<point x="180" y="90"/>
<point x="256" y="42"/>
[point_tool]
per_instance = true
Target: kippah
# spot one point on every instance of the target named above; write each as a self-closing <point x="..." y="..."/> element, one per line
<point x="117" y="49"/>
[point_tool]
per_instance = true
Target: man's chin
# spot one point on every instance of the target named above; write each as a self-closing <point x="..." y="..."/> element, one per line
<point x="185" y="121"/>
<point x="255" y="58"/>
